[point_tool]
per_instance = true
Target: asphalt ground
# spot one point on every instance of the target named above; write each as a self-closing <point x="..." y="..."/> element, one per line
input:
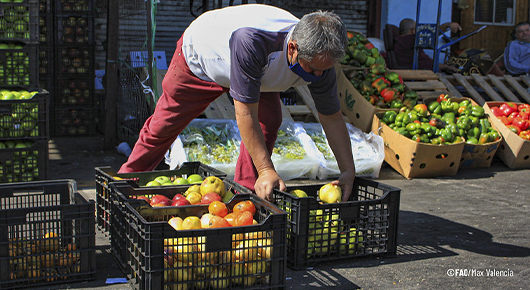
<point x="468" y="231"/>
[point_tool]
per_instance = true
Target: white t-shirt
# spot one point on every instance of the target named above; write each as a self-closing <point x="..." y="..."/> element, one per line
<point x="244" y="48"/>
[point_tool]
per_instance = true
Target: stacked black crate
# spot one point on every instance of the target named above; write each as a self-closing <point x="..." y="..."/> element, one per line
<point x="74" y="101"/>
<point x="46" y="46"/>
<point x="24" y="106"/>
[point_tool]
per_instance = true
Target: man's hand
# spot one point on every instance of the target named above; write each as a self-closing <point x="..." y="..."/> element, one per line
<point x="266" y="182"/>
<point x="345" y="181"/>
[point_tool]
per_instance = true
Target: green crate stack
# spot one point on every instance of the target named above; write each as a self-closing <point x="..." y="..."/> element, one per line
<point x="24" y="106"/>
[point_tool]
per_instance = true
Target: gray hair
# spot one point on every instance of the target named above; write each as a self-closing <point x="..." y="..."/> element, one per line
<point x="320" y="34"/>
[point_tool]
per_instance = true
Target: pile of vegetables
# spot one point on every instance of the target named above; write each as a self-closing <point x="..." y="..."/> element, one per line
<point x="361" y="53"/>
<point x="443" y="121"/>
<point x="382" y="88"/>
<point x="515" y="117"/>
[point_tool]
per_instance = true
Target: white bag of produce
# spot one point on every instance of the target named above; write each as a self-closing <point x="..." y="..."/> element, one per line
<point x="367" y="149"/>
<point x="294" y="154"/>
<point x="213" y="142"/>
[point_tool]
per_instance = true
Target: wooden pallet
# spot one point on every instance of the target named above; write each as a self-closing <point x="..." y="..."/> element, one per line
<point x="489" y="88"/>
<point x="425" y="82"/>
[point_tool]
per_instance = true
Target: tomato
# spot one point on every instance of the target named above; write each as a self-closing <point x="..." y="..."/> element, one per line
<point x="231" y="218"/>
<point x="244" y="219"/>
<point x="245" y="205"/>
<point x="218" y="208"/>
<point x="218" y="222"/>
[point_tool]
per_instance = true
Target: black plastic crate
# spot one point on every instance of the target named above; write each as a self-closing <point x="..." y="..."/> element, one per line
<point x="364" y="225"/>
<point x="123" y="193"/>
<point x="75" y="61"/>
<point x="46" y="29"/>
<point x="19" y="21"/>
<point x="78" y="121"/>
<point x="19" y="63"/>
<point x="245" y="257"/>
<point x="74" y="6"/>
<point x="74" y="29"/>
<point x="46" y="64"/>
<point x="74" y="92"/>
<point x="106" y="175"/>
<point x="47" y="234"/>
<point x="23" y="160"/>
<point x="26" y="118"/>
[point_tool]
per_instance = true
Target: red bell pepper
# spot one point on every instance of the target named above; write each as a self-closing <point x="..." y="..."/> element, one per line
<point x="442" y="97"/>
<point x="380" y="84"/>
<point x="512" y="116"/>
<point x="521" y="123"/>
<point x="369" y="45"/>
<point x="508" y="108"/>
<point x="388" y="94"/>
<point x="504" y="120"/>
<point x="497" y="111"/>
<point x="523" y="108"/>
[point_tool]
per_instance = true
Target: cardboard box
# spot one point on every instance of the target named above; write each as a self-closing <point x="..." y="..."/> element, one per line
<point x="356" y="108"/>
<point x="475" y="155"/>
<point x="513" y="150"/>
<point x="414" y="159"/>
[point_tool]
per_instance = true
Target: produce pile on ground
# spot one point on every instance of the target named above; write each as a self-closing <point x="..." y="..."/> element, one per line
<point x="443" y="121"/>
<point x="515" y="117"/>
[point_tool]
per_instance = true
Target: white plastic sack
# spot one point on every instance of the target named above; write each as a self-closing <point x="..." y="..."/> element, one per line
<point x="214" y="142"/>
<point x="367" y="149"/>
<point x="295" y="155"/>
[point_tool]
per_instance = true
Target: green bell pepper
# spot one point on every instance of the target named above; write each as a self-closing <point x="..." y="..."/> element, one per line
<point x="463" y="122"/>
<point x="435" y="108"/>
<point x="389" y="117"/>
<point x="477" y="111"/>
<point x="449" y="118"/>
<point x="474" y="132"/>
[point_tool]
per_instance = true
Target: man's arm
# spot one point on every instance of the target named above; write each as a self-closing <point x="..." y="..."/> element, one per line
<point x="339" y="141"/>
<point x="512" y="60"/>
<point x="252" y="137"/>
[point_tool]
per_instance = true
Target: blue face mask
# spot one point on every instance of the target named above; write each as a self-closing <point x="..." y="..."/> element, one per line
<point x="308" y="77"/>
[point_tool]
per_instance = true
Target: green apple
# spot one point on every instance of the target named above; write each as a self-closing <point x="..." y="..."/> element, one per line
<point x="195" y="178"/>
<point x="153" y="183"/>
<point x="181" y="181"/>
<point x="8" y="96"/>
<point x="6" y="122"/>
<point x="162" y="179"/>
<point x="349" y="244"/>
<point x="28" y="123"/>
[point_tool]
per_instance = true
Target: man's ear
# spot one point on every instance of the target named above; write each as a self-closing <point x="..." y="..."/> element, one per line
<point x="291" y="47"/>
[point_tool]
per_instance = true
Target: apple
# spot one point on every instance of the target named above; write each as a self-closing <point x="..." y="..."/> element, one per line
<point x="180" y="181"/>
<point x="195" y="178"/>
<point x="194" y="197"/>
<point x="176" y="222"/>
<point x="210" y="197"/>
<point x="143" y="197"/>
<point x="205" y="220"/>
<point x="162" y="179"/>
<point x="160" y="199"/>
<point x="298" y="193"/>
<point x="191" y="223"/>
<point x="330" y="193"/>
<point x="213" y="184"/>
<point x="153" y="183"/>
<point x="178" y="196"/>
<point x="180" y="202"/>
<point x="193" y="188"/>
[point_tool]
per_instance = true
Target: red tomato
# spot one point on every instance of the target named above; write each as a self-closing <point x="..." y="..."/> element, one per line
<point x="218" y="208"/>
<point x="244" y="219"/>
<point x="245" y="205"/>
<point x="231" y="218"/>
<point x="218" y="222"/>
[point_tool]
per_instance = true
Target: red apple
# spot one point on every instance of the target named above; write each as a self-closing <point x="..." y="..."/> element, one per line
<point x="160" y="199"/>
<point x="210" y="197"/>
<point x="180" y="202"/>
<point x="142" y="197"/>
<point x="178" y="196"/>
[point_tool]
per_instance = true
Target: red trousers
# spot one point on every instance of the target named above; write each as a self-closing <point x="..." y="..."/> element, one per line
<point x="184" y="98"/>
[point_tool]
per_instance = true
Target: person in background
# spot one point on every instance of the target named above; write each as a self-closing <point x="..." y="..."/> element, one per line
<point x="404" y="46"/>
<point x="517" y="52"/>
<point x="254" y="52"/>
